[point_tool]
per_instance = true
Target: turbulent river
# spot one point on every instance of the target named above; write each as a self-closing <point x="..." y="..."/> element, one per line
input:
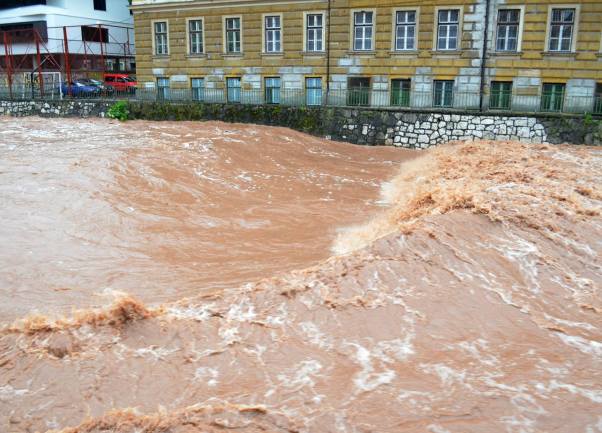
<point x="212" y="277"/>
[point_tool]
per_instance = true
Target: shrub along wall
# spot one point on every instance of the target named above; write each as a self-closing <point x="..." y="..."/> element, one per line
<point x="362" y="126"/>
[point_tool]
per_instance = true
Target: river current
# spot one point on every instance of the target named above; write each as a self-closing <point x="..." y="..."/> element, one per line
<point x="187" y="277"/>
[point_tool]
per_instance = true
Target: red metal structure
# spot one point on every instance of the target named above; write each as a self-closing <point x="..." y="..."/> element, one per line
<point x="81" y="51"/>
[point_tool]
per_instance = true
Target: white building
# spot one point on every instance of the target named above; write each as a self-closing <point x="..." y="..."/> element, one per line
<point x="100" y="35"/>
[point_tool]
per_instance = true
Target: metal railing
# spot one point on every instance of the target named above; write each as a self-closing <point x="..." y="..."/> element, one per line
<point x="402" y="100"/>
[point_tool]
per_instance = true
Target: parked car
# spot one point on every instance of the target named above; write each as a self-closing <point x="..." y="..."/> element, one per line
<point x="78" y="88"/>
<point x="104" y="90"/>
<point x="123" y="83"/>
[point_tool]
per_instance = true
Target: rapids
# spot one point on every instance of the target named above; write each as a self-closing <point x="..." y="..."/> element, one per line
<point x="464" y="299"/>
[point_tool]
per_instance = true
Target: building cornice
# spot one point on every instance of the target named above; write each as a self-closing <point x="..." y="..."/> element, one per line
<point x="141" y="5"/>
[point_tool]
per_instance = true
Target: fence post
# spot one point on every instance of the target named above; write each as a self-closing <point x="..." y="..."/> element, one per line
<point x="67" y="65"/>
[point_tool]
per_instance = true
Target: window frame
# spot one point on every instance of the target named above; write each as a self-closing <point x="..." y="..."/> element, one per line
<point x="353" y="12"/>
<point x="225" y="19"/>
<point x="451" y="104"/>
<point x="306" y="31"/>
<point x="154" y="38"/>
<point x="416" y="10"/>
<point x="563" y="100"/>
<point x="99" y="8"/>
<point x="402" y="90"/>
<point x="189" y="35"/>
<point x="500" y="106"/>
<point x="264" y="35"/>
<point x="597" y="109"/>
<point x="278" y="99"/>
<point x="228" y="100"/>
<point x="574" y="34"/>
<point x="306" y="88"/>
<point x="201" y="98"/>
<point x="438" y="9"/>
<point x="359" y="96"/>
<point x="521" y="22"/>
<point x="160" y="94"/>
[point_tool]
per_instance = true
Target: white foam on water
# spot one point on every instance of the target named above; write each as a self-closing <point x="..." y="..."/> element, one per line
<point x="315" y="336"/>
<point x="303" y="375"/>
<point x="584" y="345"/>
<point x="158" y="353"/>
<point x="368" y="379"/>
<point x="436" y="428"/>
<point x="198" y="313"/>
<point x="8" y="393"/>
<point x="208" y="375"/>
<point x="594" y="395"/>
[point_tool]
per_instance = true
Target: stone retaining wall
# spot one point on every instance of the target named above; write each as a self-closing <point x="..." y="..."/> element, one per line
<point x="409" y="129"/>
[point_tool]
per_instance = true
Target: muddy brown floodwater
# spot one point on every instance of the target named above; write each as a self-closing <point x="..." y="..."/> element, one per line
<point x="237" y="278"/>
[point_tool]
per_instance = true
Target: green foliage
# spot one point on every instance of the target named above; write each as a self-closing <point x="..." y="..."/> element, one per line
<point x="119" y="110"/>
<point x="588" y="119"/>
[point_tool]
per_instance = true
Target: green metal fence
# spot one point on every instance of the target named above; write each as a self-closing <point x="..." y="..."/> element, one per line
<point x="501" y="100"/>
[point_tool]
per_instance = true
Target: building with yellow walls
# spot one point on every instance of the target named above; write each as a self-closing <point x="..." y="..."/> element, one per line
<point x="522" y="55"/>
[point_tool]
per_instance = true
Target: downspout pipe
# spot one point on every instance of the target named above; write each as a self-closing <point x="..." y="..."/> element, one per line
<point x="484" y="54"/>
<point x="328" y="53"/>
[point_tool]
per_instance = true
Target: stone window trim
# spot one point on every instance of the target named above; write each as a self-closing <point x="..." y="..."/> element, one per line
<point x="460" y="9"/>
<point x="352" y="28"/>
<point x="575" y="32"/>
<point x="264" y="29"/>
<point x="521" y="23"/>
<point x="225" y="52"/>
<point x="189" y="52"/>
<point x="394" y="49"/>
<point x="305" y="31"/>
<point x="154" y="38"/>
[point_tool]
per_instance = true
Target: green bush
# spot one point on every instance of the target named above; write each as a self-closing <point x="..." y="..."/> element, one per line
<point x="119" y="110"/>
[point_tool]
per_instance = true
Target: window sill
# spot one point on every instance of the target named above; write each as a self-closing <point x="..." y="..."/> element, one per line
<point x="404" y="52"/>
<point x="196" y="56"/>
<point x="446" y="53"/>
<point x="234" y="55"/>
<point x="314" y="53"/>
<point x="506" y="53"/>
<point x="361" y="52"/>
<point x="161" y="57"/>
<point x="278" y="54"/>
<point x="560" y="54"/>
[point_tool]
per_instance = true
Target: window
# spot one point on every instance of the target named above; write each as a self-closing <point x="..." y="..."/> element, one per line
<point x="363" y="30"/>
<point x="400" y="93"/>
<point x="162" y="88"/>
<point x="598" y="99"/>
<point x="233" y="85"/>
<point x="233" y="36"/>
<point x="195" y="37"/>
<point x="95" y="34"/>
<point x="508" y="21"/>
<point x="501" y="95"/>
<point x="444" y="93"/>
<point x="100" y="5"/>
<point x="313" y="91"/>
<point x="552" y="97"/>
<point x="161" y="42"/>
<point x="561" y="29"/>
<point x="273" y="34"/>
<point x="447" y="29"/>
<point x="198" y="89"/>
<point x="272" y="90"/>
<point x="315" y="32"/>
<point x="405" y="30"/>
<point x="358" y="92"/>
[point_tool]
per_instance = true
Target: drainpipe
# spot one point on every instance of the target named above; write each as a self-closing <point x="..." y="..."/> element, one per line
<point x="328" y="55"/>
<point x="484" y="55"/>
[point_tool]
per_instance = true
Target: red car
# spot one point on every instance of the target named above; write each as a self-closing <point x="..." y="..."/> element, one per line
<point x="121" y="82"/>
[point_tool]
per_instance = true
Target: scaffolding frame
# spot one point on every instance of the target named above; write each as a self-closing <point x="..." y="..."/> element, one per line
<point x="68" y="49"/>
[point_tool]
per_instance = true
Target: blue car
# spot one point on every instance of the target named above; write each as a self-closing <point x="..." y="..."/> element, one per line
<point x="79" y="89"/>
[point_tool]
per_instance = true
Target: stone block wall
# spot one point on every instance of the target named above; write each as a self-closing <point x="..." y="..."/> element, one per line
<point x="410" y="129"/>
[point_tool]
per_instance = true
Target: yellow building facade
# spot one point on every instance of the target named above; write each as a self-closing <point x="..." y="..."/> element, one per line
<point x="524" y="55"/>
